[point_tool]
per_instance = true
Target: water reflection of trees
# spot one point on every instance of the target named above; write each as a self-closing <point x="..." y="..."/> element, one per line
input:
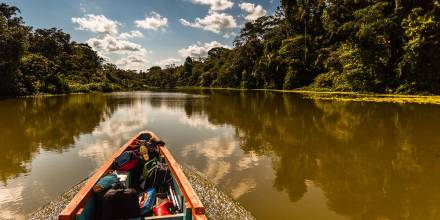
<point x="48" y="123"/>
<point x="371" y="160"/>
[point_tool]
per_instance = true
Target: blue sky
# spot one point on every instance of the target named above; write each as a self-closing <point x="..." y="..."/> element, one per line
<point x="138" y="34"/>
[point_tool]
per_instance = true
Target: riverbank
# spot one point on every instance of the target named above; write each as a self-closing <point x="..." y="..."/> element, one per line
<point x="76" y="93"/>
<point x="343" y="96"/>
<point x="312" y="94"/>
<point x="360" y="97"/>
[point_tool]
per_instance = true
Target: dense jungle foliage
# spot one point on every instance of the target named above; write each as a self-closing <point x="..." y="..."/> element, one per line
<point x="47" y="61"/>
<point x="353" y="45"/>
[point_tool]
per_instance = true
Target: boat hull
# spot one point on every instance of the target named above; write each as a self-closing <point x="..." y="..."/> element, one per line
<point x="82" y="205"/>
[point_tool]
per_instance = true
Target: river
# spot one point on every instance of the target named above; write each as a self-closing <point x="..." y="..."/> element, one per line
<point x="281" y="155"/>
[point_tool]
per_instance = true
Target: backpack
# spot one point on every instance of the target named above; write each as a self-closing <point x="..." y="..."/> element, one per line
<point x="152" y="146"/>
<point x="106" y="182"/>
<point x="155" y="175"/>
<point x="126" y="161"/>
<point x="120" y="204"/>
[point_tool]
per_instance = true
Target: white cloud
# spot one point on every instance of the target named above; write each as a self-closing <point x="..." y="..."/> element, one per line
<point x="113" y="44"/>
<point x="133" y="61"/>
<point x="214" y="22"/>
<point x="215" y="5"/>
<point x="134" y="55"/>
<point x="169" y="61"/>
<point x="199" y="49"/>
<point x="132" y="58"/>
<point x="131" y="34"/>
<point x="104" y="56"/>
<point x="154" y="22"/>
<point x="253" y="11"/>
<point x="229" y="35"/>
<point x="97" y="24"/>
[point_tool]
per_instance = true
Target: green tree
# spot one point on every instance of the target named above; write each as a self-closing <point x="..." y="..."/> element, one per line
<point x="421" y="51"/>
<point x="51" y="43"/>
<point x="186" y="72"/>
<point x="361" y="46"/>
<point x="13" y="44"/>
<point x="47" y="61"/>
<point x="40" y="75"/>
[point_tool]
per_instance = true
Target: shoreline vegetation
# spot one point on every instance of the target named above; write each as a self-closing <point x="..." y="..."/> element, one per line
<point x="47" y="61"/>
<point x="312" y="94"/>
<point x="326" y="47"/>
<point x="371" y="97"/>
<point x="343" y="96"/>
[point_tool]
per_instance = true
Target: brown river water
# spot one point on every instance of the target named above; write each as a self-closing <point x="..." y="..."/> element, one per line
<point x="280" y="155"/>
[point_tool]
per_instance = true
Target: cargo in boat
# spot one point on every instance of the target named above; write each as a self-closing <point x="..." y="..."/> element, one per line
<point x="141" y="180"/>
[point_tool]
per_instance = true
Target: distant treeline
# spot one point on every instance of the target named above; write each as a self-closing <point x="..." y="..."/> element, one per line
<point x="47" y="61"/>
<point x="352" y="45"/>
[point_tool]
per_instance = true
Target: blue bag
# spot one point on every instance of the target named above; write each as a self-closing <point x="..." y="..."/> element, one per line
<point x="106" y="183"/>
<point x="126" y="161"/>
<point x="123" y="158"/>
<point x="147" y="201"/>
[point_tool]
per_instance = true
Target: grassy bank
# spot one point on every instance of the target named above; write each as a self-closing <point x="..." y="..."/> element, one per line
<point x="343" y="96"/>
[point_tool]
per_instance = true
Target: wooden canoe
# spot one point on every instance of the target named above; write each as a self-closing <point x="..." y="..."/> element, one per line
<point x="81" y="205"/>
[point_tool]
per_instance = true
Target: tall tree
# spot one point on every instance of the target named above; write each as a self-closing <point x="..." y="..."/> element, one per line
<point x="13" y="44"/>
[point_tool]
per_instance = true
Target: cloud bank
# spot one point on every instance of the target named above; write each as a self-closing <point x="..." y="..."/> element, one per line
<point x="215" y="5"/>
<point x="154" y="22"/>
<point x="97" y="24"/>
<point x="214" y="22"/>
<point x="253" y="12"/>
<point x="199" y="49"/>
<point x="131" y="34"/>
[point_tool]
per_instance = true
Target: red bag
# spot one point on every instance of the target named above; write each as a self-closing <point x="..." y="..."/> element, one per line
<point x="129" y="165"/>
<point x="126" y="161"/>
<point x="163" y="208"/>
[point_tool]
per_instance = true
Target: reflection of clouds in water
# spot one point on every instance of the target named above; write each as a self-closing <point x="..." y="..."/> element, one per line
<point x="6" y="196"/>
<point x="148" y="94"/>
<point x="197" y="121"/>
<point x="248" y="161"/>
<point x="124" y="119"/>
<point x="219" y="153"/>
<point x="243" y="187"/>
<point x="8" y="214"/>
<point x="114" y="130"/>
<point x="11" y="194"/>
<point x="309" y="183"/>
<point x="217" y="171"/>
<point x="215" y="150"/>
<point x="99" y="151"/>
